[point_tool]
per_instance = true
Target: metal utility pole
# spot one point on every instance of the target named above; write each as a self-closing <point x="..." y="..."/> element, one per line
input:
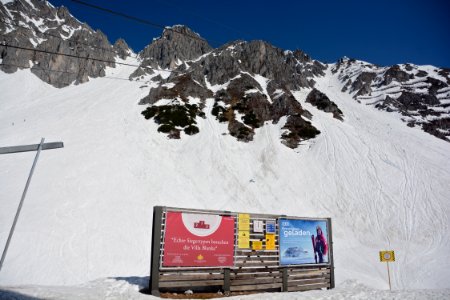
<point x="16" y="149"/>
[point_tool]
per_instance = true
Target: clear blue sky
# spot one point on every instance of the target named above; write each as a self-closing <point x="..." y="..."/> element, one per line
<point x="382" y="32"/>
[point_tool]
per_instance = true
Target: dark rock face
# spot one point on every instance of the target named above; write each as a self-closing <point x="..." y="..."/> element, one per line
<point x="63" y="34"/>
<point x="322" y="102"/>
<point x="122" y="49"/>
<point x="420" y="94"/>
<point x="183" y="87"/>
<point x="256" y="79"/>
<point x="394" y="73"/>
<point x="362" y="83"/>
<point x="298" y="130"/>
<point x="176" y="45"/>
<point x="256" y="57"/>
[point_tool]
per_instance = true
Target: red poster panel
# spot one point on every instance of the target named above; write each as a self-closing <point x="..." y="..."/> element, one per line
<point x="198" y="240"/>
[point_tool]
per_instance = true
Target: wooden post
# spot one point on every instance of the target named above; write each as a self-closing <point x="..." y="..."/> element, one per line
<point x="389" y="276"/>
<point x="226" y="281"/>
<point x="284" y="273"/>
<point x="156" y="246"/>
<point x="330" y="243"/>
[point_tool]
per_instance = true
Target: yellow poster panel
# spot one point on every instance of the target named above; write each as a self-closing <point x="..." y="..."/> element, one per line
<point x="270" y="241"/>
<point x="257" y="245"/>
<point x="244" y="240"/>
<point x="386" y="256"/>
<point x="243" y="222"/>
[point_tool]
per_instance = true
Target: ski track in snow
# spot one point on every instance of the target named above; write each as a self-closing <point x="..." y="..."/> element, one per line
<point x="88" y="212"/>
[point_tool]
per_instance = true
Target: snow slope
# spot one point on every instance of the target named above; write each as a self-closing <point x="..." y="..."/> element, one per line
<point x="88" y="210"/>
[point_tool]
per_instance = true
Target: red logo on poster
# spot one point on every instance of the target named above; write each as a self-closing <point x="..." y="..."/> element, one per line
<point x="198" y="240"/>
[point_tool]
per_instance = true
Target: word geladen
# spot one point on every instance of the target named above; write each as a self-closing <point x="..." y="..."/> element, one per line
<point x="295" y="232"/>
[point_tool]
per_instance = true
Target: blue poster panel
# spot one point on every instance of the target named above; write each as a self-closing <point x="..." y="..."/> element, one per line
<point x="303" y="242"/>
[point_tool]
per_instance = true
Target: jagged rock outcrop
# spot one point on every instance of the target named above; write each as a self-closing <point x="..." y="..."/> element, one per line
<point x="176" y="45"/>
<point x="250" y="83"/>
<point x="322" y="102"/>
<point x="420" y="93"/>
<point x="50" y="29"/>
<point x="122" y="49"/>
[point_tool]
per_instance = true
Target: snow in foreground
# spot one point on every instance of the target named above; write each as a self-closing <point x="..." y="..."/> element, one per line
<point x="128" y="288"/>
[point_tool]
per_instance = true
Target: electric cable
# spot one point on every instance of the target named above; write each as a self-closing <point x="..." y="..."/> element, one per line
<point x="58" y="37"/>
<point x="74" y="73"/>
<point x="139" y="20"/>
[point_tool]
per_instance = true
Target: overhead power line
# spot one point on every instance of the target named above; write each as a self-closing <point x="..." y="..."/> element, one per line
<point x="69" y="55"/>
<point x="68" y="72"/>
<point x="139" y="20"/>
<point x="58" y="37"/>
<point x="86" y="58"/>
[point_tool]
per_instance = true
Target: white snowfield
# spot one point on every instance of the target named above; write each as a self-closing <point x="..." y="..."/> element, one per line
<point x="85" y="226"/>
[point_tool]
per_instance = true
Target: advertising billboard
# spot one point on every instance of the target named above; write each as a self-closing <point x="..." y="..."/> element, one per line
<point x="198" y="240"/>
<point x="303" y="242"/>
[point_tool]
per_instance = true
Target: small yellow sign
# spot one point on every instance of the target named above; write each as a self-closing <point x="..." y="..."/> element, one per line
<point x="257" y="245"/>
<point x="244" y="240"/>
<point x="243" y="222"/>
<point x="387" y="256"/>
<point x="270" y="241"/>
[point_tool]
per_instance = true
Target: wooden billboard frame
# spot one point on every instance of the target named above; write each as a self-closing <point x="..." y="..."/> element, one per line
<point x="253" y="271"/>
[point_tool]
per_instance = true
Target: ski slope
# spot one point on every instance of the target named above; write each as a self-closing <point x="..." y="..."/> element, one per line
<point x="88" y="212"/>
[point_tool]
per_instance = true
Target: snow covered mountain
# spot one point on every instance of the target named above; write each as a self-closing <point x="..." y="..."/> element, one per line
<point x="251" y="127"/>
<point x="32" y="24"/>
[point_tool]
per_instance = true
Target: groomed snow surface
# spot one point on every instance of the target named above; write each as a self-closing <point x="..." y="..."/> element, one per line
<point x="85" y="228"/>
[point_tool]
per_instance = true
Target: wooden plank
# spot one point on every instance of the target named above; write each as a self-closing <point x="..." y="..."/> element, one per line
<point x="308" y="281"/>
<point x="255" y="275"/>
<point x="254" y="269"/>
<point x="253" y="287"/>
<point x="183" y="277"/>
<point x="256" y="264"/>
<point x="255" y="281"/>
<point x="191" y="283"/>
<point x="189" y="272"/>
<point x="300" y="271"/>
<point x="308" y="277"/>
<point x="308" y="287"/>
<point x="257" y="258"/>
<point x="308" y="272"/>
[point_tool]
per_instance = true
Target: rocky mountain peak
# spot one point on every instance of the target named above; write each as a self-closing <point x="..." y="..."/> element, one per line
<point x="175" y="45"/>
<point x="122" y="48"/>
<point x="179" y="31"/>
<point x="38" y="25"/>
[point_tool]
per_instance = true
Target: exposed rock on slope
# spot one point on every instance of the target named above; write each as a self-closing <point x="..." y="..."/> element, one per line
<point x="322" y="102"/>
<point x="38" y="25"/>
<point x="176" y="45"/>
<point x="421" y="94"/>
<point x="250" y="83"/>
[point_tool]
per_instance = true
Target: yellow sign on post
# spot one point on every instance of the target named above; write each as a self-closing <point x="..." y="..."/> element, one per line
<point x="387" y="256"/>
<point x="270" y="241"/>
<point x="243" y="222"/>
<point x="244" y="240"/>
